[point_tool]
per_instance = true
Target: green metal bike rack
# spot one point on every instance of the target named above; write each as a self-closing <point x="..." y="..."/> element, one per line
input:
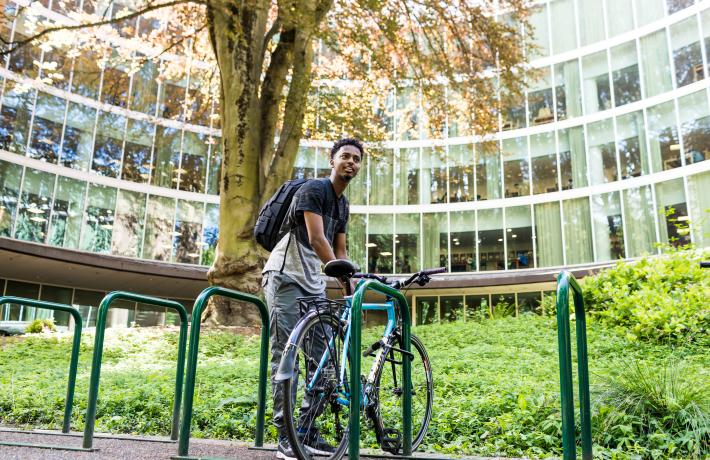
<point x="76" y="345"/>
<point x="564" y="280"/>
<point x="200" y="303"/>
<point x="355" y="358"/>
<point x="99" y="348"/>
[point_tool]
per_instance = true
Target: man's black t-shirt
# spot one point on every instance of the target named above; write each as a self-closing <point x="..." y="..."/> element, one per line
<point x="293" y="252"/>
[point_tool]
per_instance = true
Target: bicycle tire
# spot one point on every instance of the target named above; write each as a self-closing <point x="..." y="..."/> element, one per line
<point x="309" y="326"/>
<point x="422" y="380"/>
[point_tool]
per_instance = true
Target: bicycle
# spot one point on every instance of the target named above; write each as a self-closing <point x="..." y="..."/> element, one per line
<point x="320" y="388"/>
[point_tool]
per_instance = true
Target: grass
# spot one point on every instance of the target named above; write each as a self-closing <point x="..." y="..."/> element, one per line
<point x="496" y="388"/>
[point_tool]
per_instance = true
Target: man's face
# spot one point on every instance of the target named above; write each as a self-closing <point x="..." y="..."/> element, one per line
<point x="346" y="162"/>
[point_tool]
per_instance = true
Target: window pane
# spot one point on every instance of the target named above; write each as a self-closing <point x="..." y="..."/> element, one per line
<point x="57" y="65"/>
<point x="513" y="110"/>
<point x="427" y="309"/>
<point x="541" y="31"/>
<point x="564" y="37"/>
<point x="108" y="148"/>
<point x="544" y="163"/>
<point x="608" y="230"/>
<point x="137" y="151"/>
<point x="87" y="75"/>
<point x="451" y="308"/>
<point x="15" y="115"/>
<point x="114" y="88"/>
<point x="22" y="60"/>
<point x="655" y="63"/>
<point x="519" y="237"/>
<point x="698" y="186"/>
<point x="540" y="100"/>
<point x="406" y="243"/>
<point x="433" y="177"/>
<point x="188" y="230"/>
<point x="78" y="137"/>
<point x="548" y="231"/>
<point x="461" y="177"/>
<point x="167" y="157"/>
<point x="67" y="213"/>
<point x="381" y="171"/>
<point x="35" y="205"/>
<point x="435" y="240"/>
<point x="159" y="229"/>
<point x="128" y="226"/>
<point x="529" y="302"/>
<point x="573" y="158"/>
<point x="322" y="162"/>
<point x="516" y="167"/>
<point x="625" y="74"/>
<point x="14" y="312"/>
<point x="379" y="243"/>
<point x="88" y="302"/>
<point x="677" y="5"/>
<point x="210" y="232"/>
<point x="491" y="255"/>
<point x="597" y="90"/>
<point x="488" y="169"/>
<point x="477" y="307"/>
<point x="357" y="239"/>
<point x="695" y="126"/>
<point x="305" y="163"/>
<point x="194" y="162"/>
<point x="58" y="295"/>
<point x="687" y="56"/>
<point x="649" y="11"/>
<point x="578" y="231"/>
<point x="663" y="137"/>
<point x="673" y="213"/>
<point x="214" y="176"/>
<point x="406" y="178"/>
<point x="144" y="92"/>
<point x="620" y="16"/>
<point x="198" y="101"/>
<point x="98" y="219"/>
<point x="10" y="177"/>
<point x="639" y="217"/>
<point x="172" y="97"/>
<point x="568" y="90"/>
<point x="47" y="128"/>
<point x="633" y="156"/>
<point x="463" y="241"/>
<point x="407" y="114"/>
<point x="602" y="152"/>
<point x="591" y="23"/>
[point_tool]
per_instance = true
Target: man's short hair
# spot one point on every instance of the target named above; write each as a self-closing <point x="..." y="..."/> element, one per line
<point x="347" y="141"/>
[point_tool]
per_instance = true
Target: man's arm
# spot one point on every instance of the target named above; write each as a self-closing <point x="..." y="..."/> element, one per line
<point x="316" y="236"/>
<point x="340" y="248"/>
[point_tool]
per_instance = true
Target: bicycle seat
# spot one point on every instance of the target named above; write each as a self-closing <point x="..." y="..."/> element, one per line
<point x="340" y="268"/>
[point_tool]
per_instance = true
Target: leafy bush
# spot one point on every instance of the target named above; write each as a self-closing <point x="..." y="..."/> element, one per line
<point x="664" y="406"/>
<point x="39" y="325"/>
<point x="661" y="298"/>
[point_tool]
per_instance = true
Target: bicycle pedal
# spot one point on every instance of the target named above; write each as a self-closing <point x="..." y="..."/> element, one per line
<point x="391" y="440"/>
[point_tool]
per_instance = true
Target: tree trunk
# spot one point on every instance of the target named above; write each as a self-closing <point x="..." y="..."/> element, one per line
<point x="238" y="260"/>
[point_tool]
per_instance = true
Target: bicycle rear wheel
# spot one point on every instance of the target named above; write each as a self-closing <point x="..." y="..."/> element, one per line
<point x="317" y="411"/>
<point x="388" y="391"/>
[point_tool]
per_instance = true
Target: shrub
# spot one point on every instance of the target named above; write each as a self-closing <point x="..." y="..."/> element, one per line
<point x="660" y="298"/>
<point x="39" y="325"/>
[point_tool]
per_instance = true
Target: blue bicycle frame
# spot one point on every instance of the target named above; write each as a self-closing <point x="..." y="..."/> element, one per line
<point x="389" y="308"/>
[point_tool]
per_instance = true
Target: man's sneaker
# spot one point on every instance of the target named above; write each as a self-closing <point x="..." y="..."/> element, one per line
<point x="315" y="444"/>
<point x="284" y="451"/>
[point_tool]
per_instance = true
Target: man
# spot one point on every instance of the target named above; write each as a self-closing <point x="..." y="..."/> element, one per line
<point x="314" y="233"/>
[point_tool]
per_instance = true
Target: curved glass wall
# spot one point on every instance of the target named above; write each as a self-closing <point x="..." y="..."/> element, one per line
<point x="603" y="155"/>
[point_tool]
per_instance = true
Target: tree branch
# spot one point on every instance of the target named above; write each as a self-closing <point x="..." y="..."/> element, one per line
<point x="18" y="44"/>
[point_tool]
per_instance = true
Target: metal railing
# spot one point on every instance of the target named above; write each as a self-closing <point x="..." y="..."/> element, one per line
<point x="200" y="303"/>
<point x="355" y="362"/>
<point x="76" y="345"/>
<point x="98" y="353"/>
<point x="565" y="280"/>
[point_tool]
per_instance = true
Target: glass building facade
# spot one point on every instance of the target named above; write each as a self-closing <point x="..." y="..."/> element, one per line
<point x="603" y="155"/>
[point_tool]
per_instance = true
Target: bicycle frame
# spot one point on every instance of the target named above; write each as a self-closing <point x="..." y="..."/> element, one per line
<point x="389" y="308"/>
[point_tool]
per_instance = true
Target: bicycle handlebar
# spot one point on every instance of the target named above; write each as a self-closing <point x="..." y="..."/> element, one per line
<point x="421" y="277"/>
<point x="704" y="264"/>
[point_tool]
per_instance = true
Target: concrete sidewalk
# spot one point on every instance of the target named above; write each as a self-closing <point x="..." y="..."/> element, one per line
<point x="126" y="447"/>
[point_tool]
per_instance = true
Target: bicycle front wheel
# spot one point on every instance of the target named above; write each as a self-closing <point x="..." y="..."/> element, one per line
<point x="317" y="413"/>
<point x="389" y="393"/>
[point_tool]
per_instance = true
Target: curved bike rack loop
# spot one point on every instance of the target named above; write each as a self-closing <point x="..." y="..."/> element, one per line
<point x="356" y="344"/>
<point x="76" y="344"/>
<point x="565" y="280"/>
<point x="99" y="348"/>
<point x="200" y="303"/>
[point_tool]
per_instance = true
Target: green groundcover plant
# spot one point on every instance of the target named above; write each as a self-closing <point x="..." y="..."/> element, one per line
<point x="496" y="388"/>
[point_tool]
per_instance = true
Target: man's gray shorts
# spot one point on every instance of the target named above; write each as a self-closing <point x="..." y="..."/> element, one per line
<point x="281" y="293"/>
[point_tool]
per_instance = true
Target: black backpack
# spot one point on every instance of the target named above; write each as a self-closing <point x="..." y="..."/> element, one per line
<point x="267" y="229"/>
